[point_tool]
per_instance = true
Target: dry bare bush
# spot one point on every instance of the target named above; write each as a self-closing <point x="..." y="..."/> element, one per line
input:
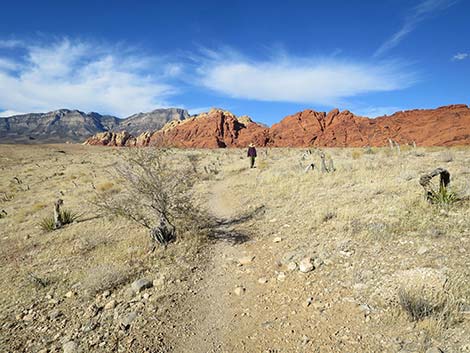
<point x="104" y="277"/>
<point x="443" y="307"/>
<point x="157" y="194"/>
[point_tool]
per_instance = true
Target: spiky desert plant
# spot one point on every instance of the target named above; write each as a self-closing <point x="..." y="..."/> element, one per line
<point x="442" y="197"/>
<point x="48" y="224"/>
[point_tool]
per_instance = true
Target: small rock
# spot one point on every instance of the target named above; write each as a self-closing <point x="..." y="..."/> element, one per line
<point x="129" y="293"/>
<point x="146" y="296"/>
<point x="263" y="280"/>
<point x="70" y="347"/>
<point x="306" y="265"/>
<point x="307" y="303"/>
<point x="239" y="290"/>
<point x="159" y="282"/>
<point x="281" y="276"/>
<point x="126" y="321"/>
<point x="317" y="262"/>
<point x="28" y="317"/>
<point x="92" y="311"/>
<point x="106" y="294"/>
<point x="305" y="340"/>
<point x="277" y="240"/>
<point x="245" y="260"/>
<point x="434" y="350"/>
<point x="54" y="314"/>
<point x="110" y="305"/>
<point x="422" y="250"/>
<point x="89" y="327"/>
<point x="292" y="266"/>
<point x="141" y="284"/>
<point x="69" y="294"/>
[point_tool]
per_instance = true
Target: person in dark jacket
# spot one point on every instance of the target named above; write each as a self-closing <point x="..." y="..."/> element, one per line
<point x="252" y="154"/>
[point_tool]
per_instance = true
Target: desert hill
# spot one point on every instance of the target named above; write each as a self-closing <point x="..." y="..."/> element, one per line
<point x="75" y="126"/>
<point x="444" y="126"/>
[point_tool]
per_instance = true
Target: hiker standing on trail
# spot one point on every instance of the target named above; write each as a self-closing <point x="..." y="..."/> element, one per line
<point x="252" y="154"/>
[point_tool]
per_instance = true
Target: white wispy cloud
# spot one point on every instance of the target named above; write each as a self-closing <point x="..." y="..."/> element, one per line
<point x="424" y="10"/>
<point x="89" y="76"/>
<point x="7" y="113"/>
<point x="323" y="81"/>
<point x="376" y="111"/>
<point x="456" y="57"/>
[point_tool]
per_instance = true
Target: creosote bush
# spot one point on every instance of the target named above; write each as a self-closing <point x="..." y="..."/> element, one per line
<point x="157" y="193"/>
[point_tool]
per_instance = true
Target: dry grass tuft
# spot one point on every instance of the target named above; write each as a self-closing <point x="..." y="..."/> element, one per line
<point x="105" y="277"/>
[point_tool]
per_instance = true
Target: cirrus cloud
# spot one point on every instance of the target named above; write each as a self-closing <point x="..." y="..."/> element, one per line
<point x="284" y="78"/>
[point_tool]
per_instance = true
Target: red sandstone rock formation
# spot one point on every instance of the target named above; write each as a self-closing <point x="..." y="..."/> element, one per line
<point x="215" y="129"/>
<point x="444" y="126"/>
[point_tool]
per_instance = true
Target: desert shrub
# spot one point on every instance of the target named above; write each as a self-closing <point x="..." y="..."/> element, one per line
<point x="262" y="164"/>
<point x="416" y="306"/>
<point x="104" y="277"/>
<point x="5" y="197"/>
<point x="447" y="156"/>
<point x="106" y="186"/>
<point x="443" y="196"/>
<point x="38" y="206"/>
<point x="38" y="282"/>
<point x="48" y="224"/>
<point x="328" y="216"/>
<point x="356" y="154"/>
<point x="443" y="306"/>
<point x="157" y="194"/>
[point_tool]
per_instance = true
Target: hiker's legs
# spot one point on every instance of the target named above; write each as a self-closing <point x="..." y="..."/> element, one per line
<point x="252" y="162"/>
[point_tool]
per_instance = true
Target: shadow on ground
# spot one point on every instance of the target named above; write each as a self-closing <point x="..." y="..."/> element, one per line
<point x="223" y="229"/>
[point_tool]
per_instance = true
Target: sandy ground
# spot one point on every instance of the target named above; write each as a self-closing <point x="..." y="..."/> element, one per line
<point x="365" y="227"/>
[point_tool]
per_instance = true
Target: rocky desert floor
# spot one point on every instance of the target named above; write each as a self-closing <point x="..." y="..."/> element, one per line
<point x="355" y="260"/>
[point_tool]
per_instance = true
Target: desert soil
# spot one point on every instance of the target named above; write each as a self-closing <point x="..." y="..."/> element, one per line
<point x="364" y="234"/>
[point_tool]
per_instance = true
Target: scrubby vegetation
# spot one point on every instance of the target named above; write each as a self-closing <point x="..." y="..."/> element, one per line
<point x="383" y="268"/>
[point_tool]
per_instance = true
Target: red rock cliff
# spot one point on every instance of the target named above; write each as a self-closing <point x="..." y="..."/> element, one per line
<point x="444" y="126"/>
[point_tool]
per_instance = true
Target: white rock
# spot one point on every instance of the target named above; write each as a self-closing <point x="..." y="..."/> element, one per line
<point x="70" y="347"/>
<point x="245" y="260"/>
<point x="69" y="294"/>
<point x="126" y="321"/>
<point x="292" y="266"/>
<point x="307" y="302"/>
<point x="422" y="250"/>
<point x="141" y="284"/>
<point x="110" y="305"/>
<point x="281" y="276"/>
<point x="306" y="265"/>
<point x="277" y="240"/>
<point x="317" y="262"/>
<point x="239" y="290"/>
<point x="263" y="280"/>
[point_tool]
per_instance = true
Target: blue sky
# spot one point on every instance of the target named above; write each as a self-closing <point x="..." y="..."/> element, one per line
<point x="265" y="59"/>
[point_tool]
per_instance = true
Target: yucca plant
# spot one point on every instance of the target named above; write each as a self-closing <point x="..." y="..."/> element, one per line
<point x="442" y="197"/>
<point x="66" y="216"/>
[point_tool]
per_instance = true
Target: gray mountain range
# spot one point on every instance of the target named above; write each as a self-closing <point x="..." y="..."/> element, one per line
<point x="66" y="125"/>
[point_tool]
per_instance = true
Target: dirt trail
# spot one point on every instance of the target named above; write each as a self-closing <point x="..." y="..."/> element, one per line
<point x="214" y="314"/>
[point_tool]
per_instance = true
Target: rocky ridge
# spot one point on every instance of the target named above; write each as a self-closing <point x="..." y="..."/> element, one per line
<point x="66" y="125"/>
<point x="444" y="126"/>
